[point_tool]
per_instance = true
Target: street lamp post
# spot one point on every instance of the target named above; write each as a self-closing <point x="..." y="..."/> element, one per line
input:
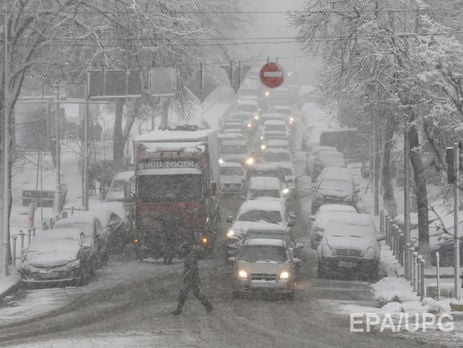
<point x="6" y="151"/>
<point x="57" y="205"/>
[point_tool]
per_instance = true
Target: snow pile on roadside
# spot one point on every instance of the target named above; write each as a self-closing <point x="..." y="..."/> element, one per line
<point x="393" y="289"/>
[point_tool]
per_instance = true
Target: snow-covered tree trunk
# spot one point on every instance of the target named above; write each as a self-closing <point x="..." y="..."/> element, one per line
<point x="388" y="190"/>
<point x="118" y="139"/>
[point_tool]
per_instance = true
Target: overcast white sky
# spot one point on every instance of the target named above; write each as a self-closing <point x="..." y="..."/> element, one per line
<point x="271" y="25"/>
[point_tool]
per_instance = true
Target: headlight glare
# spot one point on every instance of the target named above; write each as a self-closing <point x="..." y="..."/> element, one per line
<point x="230" y="233"/>
<point x="284" y="275"/>
<point x="242" y="274"/>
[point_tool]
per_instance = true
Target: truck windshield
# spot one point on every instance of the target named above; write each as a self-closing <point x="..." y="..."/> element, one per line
<point x="156" y="188"/>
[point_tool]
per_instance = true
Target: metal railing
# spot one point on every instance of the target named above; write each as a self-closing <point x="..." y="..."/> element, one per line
<point x="401" y="249"/>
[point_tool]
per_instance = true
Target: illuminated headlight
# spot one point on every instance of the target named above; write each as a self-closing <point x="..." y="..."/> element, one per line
<point x="256" y="117"/>
<point x="221" y="161"/>
<point x="370" y="254"/>
<point x="263" y="147"/>
<point x="291" y="120"/>
<point x="230" y="234"/>
<point x="267" y="93"/>
<point x="242" y="274"/>
<point x="249" y="125"/>
<point x="249" y="161"/>
<point x="204" y="240"/>
<point x="284" y="275"/>
<point x="285" y="191"/>
<point x="261" y="137"/>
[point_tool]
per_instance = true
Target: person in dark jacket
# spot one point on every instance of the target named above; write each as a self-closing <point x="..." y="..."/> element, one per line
<point x="191" y="279"/>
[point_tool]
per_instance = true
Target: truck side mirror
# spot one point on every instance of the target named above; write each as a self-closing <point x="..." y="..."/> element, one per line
<point x="213" y="188"/>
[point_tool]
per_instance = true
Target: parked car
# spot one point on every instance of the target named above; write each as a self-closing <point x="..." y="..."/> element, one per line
<point x="59" y="256"/>
<point x="320" y="218"/>
<point x="350" y="243"/>
<point x="92" y="226"/>
<point x="121" y="186"/>
<point x="234" y="151"/>
<point x="265" y="186"/>
<point x="232" y="178"/>
<point x="334" y="185"/>
<point x="312" y="154"/>
<point x="264" y="265"/>
<point x="327" y="159"/>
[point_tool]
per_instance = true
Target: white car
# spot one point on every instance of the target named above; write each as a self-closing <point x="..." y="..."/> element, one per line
<point x="264" y="265"/>
<point x="253" y="213"/>
<point x="232" y="178"/>
<point x="265" y="186"/>
<point x="122" y="184"/>
<point x="322" y="216"/>
<point x="350" y="243"/>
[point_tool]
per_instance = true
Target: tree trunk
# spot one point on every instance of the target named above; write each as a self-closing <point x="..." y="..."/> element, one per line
<point x="118" y="139"/>
<point x="388" y="191"/>
<point x="421" y="193"/>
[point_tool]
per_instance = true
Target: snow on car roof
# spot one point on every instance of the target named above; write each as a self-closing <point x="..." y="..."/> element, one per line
<point x="328" y="208"/>
<point x="234" y="142"/>
<point x="352" y="219"/>
<point x="58" y="233"/>
<point x="264" y="183"/>
<point x="277" y="142"/>
<point x="274" y="123"/>
<point x="336" y="173"/>
<point x="230" y="164"/>
<point x="273" y="150"/>
<point x="174" y="135"/>
<point x="262" y="241"/>
<point x="273" y="115"/>
<point x="268" y="228"/>
<point x="127" y="175"/>
<point x="267" y="205"/>
<point x="252" y="102"/>
<point x="266" y="166"/>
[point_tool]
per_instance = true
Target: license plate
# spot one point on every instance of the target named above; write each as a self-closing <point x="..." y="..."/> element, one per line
<point x="264" y="284"/>
<point x="347" y="264"/>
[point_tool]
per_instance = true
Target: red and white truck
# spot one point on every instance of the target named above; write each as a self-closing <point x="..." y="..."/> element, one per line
<point x="176" y="198"/>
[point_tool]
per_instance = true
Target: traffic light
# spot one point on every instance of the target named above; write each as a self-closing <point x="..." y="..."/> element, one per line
<point x="449" y="158"/>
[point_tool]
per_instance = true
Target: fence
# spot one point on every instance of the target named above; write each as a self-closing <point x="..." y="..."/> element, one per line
<point x="405" y="253"/>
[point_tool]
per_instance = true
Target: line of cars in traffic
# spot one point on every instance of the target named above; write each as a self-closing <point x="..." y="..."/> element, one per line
<point x="259" y="243"/>
<point x="346" y="240"/>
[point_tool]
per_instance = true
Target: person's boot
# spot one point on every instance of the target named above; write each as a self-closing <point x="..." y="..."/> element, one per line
<point x="178" y="310"/>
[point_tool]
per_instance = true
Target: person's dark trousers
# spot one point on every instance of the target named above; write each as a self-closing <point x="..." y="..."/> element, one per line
<point x="197" y="292"/>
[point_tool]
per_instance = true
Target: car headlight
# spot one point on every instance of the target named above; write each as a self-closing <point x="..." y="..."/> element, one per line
<point x="256" y="117"/>
<point x="327" y="251"/>
<point x="284" y="275"/>
<point x="267" y="93"/>
<point x="221" y="161"/>
<point x="230" y="234"/>
<point x="370" y="254"/>
<point x="242" y="274"/>
<point x="204" y="240"/>
<point x="249" y="125"/>
<point x="249" y="161"/>
<point x="263" y="147"/>
<point x="285" y="191"/>
<point x="74" y="263"/>
<point x="261" y="137"/>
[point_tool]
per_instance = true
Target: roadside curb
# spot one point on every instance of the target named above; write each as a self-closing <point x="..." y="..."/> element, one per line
<point x="10" y="289"/>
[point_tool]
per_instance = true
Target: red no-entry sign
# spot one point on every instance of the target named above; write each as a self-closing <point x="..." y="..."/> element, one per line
<point x="272" y="75"/>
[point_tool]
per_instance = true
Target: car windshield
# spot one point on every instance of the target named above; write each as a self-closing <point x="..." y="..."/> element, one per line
<point x="263" y="253"/>
<point x="271" y="173"/>
<point x="231" y="171"/>
<point x="234" y="149"/>
<point x="272" y="216"/>
<point x="161" y="188"/>
<point x="336" y="185"/>
<point x="332" y="159"/>
<point x="253" y="194"/>
<point x="118" y="185"/>
<point x="270" y="235"/>
<point x="277" y="157"/>
<point x="341" y="228"/>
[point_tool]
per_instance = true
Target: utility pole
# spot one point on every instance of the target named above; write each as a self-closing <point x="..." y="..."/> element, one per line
<point x="456" y="201"/>
<point x="85" y="145"/>
<point x="406" y="165"/>
<point x="6" y="152"/>
<point x="57" y="205"/>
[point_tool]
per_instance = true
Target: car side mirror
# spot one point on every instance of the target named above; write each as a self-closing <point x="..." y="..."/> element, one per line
<point x="229" y="219"/>
<point x="232" y="260"/>
<point x="292" y="215"/>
